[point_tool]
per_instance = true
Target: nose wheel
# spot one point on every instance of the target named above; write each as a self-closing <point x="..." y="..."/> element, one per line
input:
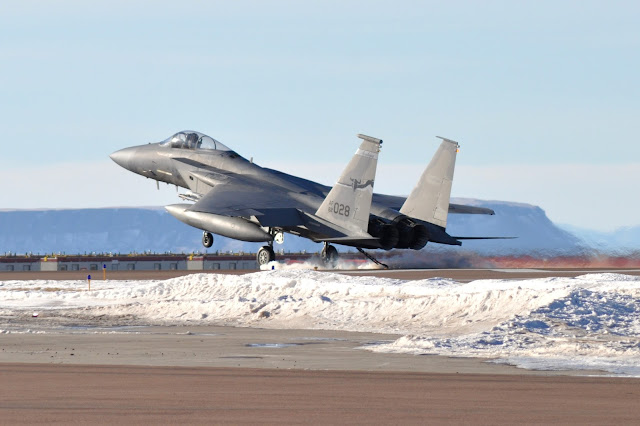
<point x="265" y="255"/>
<point x="329" y="255"/>
<point x="207" y="239"/>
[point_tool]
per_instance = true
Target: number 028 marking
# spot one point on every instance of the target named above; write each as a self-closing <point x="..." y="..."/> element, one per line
<point x="341" y="209"/>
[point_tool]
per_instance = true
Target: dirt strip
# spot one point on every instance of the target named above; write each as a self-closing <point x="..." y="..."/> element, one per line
<point x="68" y="394"/>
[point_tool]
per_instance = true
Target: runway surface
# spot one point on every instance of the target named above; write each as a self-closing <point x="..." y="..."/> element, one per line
<point x="461" y="275"/>
<point x="215" y="346"/>
<point x="104" y="373"/>
<point x="160" y="395"/>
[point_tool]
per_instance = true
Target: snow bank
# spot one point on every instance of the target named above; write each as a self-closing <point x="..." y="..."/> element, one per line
<point x="592" y="321"/>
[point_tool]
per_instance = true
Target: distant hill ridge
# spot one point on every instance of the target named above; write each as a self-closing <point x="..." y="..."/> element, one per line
<point x="142" y="229"/>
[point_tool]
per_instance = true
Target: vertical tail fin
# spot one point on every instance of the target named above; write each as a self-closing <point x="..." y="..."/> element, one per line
<point x="349" y="202"/>
<point x="429" y="200"/>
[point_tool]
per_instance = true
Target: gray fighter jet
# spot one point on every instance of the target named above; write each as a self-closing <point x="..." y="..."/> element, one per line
<point x="231" y="196"/>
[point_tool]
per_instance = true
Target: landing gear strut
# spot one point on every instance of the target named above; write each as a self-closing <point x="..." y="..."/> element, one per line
<point x="329" y="255"/>
<point x="373" y="259"/>
<point x="207" y="239"/>
<point x="266" y="253"/>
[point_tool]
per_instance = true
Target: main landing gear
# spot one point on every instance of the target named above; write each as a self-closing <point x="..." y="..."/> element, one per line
<point x="329" y="255"/>
<point x="265" y="255"/>
<point x="207" y="239"/>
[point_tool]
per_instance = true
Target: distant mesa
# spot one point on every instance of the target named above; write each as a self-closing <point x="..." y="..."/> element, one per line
<point x="141" y="230"/>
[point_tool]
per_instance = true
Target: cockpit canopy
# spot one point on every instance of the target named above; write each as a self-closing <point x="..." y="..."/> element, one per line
<point x="188" y="139"/>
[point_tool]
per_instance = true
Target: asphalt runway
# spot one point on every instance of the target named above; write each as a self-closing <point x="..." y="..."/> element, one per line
<point x="77" y="394"/>
<point x="462" y="275"/>
<point x="97" y="373"/>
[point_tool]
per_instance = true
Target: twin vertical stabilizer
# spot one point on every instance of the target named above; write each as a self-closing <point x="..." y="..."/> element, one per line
<point x="349" y="202"/>
<point x="429" y="200"/>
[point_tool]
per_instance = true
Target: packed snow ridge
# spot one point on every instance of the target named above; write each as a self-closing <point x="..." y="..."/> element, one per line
<point x="589" y="322"/>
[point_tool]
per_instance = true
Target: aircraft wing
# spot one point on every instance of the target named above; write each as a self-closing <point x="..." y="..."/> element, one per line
<point x="270" y="204"/>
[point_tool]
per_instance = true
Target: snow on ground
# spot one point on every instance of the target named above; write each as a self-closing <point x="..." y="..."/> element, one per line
<point x="588" y="322"/>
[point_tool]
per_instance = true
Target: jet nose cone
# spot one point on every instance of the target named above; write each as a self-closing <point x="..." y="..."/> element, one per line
<point x="122" y="158"/>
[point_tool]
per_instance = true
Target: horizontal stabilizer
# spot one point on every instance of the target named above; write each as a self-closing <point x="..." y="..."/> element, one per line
<point x="344" y="240"/>
<point x="484" y="238"/>
<point x="463" y="209"/>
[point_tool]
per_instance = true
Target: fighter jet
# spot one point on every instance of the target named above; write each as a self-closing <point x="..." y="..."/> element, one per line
<point x="231" y="196"/>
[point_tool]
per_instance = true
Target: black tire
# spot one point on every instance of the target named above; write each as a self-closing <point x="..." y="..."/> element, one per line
<point x="265" y="255"/>
<point x="207" y="239"/>
<point x="329" y="256"/>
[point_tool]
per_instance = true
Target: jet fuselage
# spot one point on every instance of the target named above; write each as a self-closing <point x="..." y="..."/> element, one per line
<point x="252" y="203"/>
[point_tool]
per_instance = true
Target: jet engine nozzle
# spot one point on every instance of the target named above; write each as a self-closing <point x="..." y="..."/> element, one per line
<point x="420" y="237"/>
<point x="386" y="232"/>
<point x="412" y="235"/>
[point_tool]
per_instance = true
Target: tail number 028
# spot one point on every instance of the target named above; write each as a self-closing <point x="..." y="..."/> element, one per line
<point x="341" y="209"/>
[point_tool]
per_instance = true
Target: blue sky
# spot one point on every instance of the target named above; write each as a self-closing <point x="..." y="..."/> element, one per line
<point x="544" y="96"/>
